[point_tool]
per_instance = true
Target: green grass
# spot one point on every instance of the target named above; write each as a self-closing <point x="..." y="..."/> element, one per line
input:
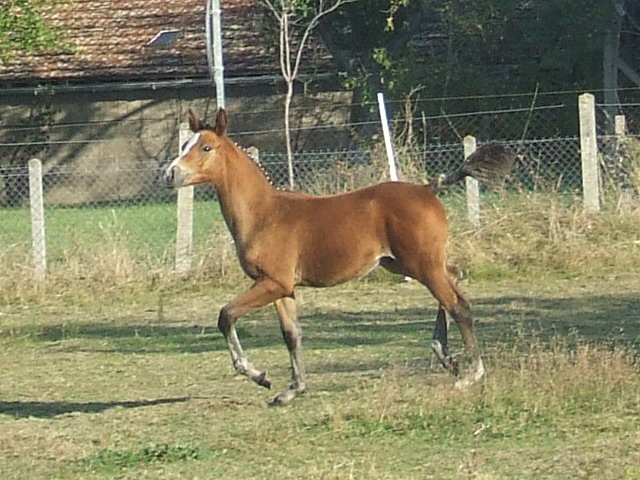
<point x="146" y="230"/>
<point x="90" y="250"/>
<point x="114" y="369"/>
<point x="134" y="387"/>
<point x="115" y="460"/>
<point x="523" y="235"/>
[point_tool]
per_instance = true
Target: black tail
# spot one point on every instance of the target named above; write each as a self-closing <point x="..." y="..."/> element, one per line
<point x="488" y="164"/>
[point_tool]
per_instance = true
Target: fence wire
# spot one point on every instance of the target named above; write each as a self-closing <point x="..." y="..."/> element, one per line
<point x="541" y="163"/>
<point x="111" y="199"/>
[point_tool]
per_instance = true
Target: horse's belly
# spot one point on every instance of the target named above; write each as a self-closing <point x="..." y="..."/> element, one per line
<point x="329" y="270"/>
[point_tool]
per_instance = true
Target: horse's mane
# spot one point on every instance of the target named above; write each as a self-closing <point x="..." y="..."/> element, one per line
<point x="247" y="152"/>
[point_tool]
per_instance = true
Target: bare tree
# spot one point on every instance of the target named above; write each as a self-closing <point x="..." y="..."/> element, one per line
<point x="296" y="21"/>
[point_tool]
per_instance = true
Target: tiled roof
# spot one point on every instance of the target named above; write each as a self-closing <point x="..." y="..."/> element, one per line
<point x="108" y="38"/>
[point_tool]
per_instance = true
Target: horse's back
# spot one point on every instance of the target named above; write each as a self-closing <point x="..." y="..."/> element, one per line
<point x="404" y="205"/>
<point x="340" y="237"/>
<point x="414" y="217"/>
<point x="366" y="211"/>
<point x="396" y="195"/>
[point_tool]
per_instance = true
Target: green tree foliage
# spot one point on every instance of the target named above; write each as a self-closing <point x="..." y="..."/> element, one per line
<point x="455" y="47"/>
<point x="518" y="44"/>
<point x="23" y="29"/>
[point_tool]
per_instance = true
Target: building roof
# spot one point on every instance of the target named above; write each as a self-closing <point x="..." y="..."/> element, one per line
<point x="107" y="42"/>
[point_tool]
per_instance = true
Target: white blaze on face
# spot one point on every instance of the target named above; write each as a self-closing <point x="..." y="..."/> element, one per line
<point x="187" y="148"/>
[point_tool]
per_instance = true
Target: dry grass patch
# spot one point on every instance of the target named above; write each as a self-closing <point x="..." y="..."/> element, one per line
<point x="534" y="234"/>
<point x="523" y="236"/>
<point x="116" y="390"/>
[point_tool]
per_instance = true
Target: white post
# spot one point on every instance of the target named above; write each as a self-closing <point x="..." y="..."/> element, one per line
<point x="625" y="201"/>
<point x="471" y="184"/>
<point x="184" y="235"/>
<point x="620" y="126"/>
<point x="393" y="172"/>
<point x="589" y="153"/>
<point x="38" y="243"/>
<point x="213" y="27"/>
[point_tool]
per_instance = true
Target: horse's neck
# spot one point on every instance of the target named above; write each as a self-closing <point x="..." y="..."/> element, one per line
<point x="244" y="192"/>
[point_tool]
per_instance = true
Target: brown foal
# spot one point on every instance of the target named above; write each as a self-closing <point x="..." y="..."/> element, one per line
<point x="287" y="239"/>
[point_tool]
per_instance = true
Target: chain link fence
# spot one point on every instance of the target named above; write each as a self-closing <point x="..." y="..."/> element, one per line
<point x="108" y="202"/>
<point x="618" y="128"/>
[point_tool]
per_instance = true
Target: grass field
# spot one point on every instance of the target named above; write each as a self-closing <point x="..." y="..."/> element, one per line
<point x="140" y="385"/>
<point x="523" y="234"/>
<point x="103" y="246"/>
<point x="147" y="230"/>
<point x="114" y="368"/>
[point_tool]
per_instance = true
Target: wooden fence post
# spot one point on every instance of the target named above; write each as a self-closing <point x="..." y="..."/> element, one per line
<point x="472" y="187"/>
<point x="38" y="243"/>
<point x="184" y="234"/>
<point x="589" y="153"/>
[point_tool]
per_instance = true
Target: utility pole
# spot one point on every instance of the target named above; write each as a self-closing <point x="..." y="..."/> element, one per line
<point x="213" y="27"/>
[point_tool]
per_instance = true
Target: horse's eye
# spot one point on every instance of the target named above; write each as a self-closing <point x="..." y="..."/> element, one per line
<point x="207" y="148"/>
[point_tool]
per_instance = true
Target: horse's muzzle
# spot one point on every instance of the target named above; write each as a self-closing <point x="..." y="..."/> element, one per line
<point x="169" y="176"/>
<point x="173" y="177"/>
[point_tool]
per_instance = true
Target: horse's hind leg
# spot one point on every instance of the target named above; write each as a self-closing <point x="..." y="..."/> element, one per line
<point x="451" y="300"/>
<point x="286" y="308"/>
<point x="461" y="313"/>
<point x="440" y="342"/>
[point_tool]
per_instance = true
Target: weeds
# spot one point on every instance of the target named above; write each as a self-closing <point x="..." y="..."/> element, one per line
<point x="532" y="234"/>
<point x="523" y="235"/>
<point x="153" y="453"/>
<point x="534" y="391"/>
<point x="113" y="391"/>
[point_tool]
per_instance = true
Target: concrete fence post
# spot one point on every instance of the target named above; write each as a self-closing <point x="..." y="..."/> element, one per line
<point x="184" y="233"/>
<point x="625" y="202"/>
<point x="254" y="153"/>
<point x="589" y="153"/>
<point x="38" y="242"/>
<point x="472" y="187"/>
<point x="620" y="125"/>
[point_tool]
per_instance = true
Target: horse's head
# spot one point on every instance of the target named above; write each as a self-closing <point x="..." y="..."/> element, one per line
<point x="197" y="161"/>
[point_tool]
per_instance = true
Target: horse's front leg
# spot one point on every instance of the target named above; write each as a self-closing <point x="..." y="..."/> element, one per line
<point x="286" y="308"/>
<point x="262" y="292"/>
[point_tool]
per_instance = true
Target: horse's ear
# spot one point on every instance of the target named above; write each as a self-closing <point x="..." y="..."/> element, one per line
<point x="195" y="124"/>
<point x="221" y="122"/>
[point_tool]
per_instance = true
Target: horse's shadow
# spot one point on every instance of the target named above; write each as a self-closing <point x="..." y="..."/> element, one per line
<point x="20" y="409"/>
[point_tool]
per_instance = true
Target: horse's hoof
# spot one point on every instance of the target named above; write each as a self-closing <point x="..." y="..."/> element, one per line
<point x="454" y="365"/>
<point x="262" y="381"/>
<point x="473" y="377"/>
<point x="440" y="352"/>
<point x="279" y="401"/>
<point x="285" y="398"/>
